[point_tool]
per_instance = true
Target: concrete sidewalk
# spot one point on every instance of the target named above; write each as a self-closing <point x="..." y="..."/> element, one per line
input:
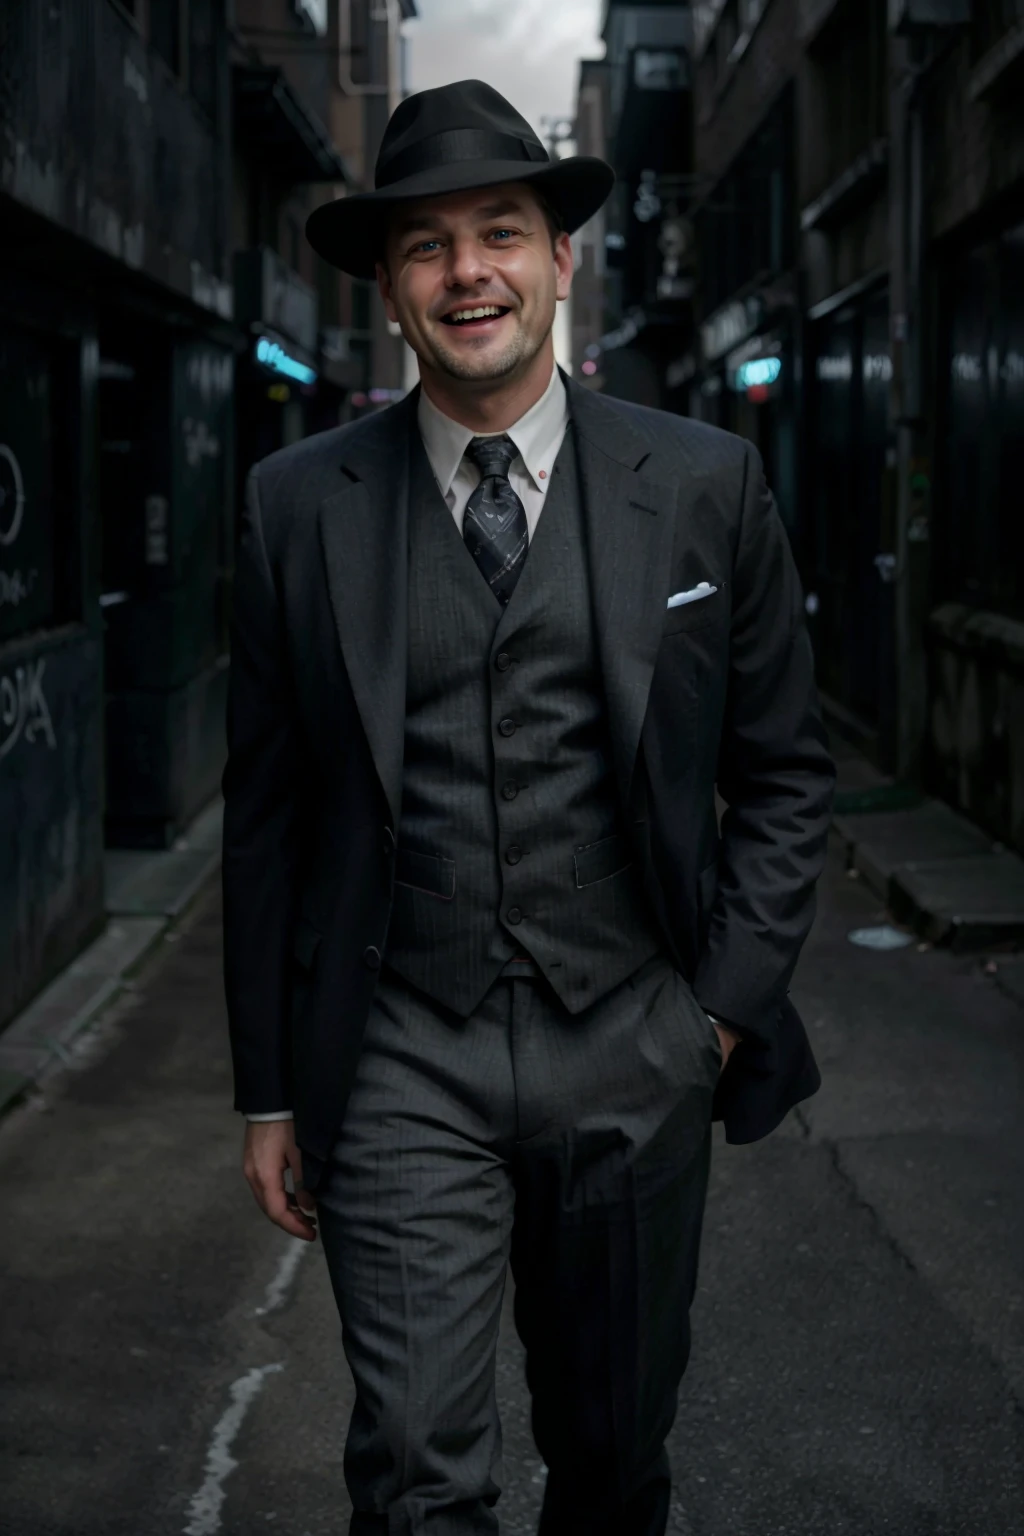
<point x="937" y="873"/>
<point x="146" y="892"/>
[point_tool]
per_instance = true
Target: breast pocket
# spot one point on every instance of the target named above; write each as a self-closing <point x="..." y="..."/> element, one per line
<point x="687" y="617"/>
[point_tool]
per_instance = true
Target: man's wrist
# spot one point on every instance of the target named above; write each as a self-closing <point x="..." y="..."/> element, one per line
<point x="728" y="1038"/>
<point x="733" y="1030"/>
<point x="277" y="1114"/>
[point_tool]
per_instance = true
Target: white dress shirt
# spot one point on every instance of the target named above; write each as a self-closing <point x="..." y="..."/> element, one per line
<point x="538" y="435"/>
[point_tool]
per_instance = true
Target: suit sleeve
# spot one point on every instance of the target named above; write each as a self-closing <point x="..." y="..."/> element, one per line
<point x="261" y="800"/>
<point x="775" y="775"/>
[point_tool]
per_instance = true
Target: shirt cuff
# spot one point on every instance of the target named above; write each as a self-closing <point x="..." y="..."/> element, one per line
<point x="277" y="1114"/>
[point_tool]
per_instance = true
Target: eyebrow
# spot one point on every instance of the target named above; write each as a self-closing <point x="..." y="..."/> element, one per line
<point x="423" y="221"/>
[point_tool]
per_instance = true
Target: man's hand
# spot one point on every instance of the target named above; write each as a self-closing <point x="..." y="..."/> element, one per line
<point x="728" y="1039"/>
<point x="269" y="1151"/>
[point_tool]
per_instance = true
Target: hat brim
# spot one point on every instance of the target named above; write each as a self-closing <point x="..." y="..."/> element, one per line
<point x="347" y="232"/>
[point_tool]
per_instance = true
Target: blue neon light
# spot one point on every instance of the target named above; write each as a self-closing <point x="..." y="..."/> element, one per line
<point x="760" y="370"/>
<point x="277" y="360"/>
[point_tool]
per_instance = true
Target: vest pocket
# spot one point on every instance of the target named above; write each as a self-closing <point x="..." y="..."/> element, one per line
<point x="599" y="861"/>
<point x="427" y="872"/>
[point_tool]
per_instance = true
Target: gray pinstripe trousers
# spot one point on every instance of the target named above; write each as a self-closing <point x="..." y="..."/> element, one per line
<point x="576" y="1147"/>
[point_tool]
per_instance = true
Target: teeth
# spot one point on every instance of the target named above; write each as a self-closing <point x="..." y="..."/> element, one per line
<point x="475" y="314"/>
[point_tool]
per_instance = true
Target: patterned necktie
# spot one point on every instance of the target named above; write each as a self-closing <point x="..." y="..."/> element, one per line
<point x="494" y="527"/>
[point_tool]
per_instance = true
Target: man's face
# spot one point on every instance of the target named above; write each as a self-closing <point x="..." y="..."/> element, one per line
<point x="488" y="249"/>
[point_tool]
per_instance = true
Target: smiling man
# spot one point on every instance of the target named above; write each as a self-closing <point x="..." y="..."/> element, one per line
<point x="492" y="967"/>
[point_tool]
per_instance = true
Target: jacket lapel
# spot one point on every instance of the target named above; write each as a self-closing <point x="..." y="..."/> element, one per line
<point x="363" y="533"/>
<point x="630" y="518"/>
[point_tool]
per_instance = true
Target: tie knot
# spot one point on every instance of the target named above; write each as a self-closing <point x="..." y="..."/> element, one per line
<point x="491" y="455"/>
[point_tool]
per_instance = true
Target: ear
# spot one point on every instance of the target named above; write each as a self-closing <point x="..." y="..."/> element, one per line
<point x="384" y="289"/>
<point x="564" y="262"/>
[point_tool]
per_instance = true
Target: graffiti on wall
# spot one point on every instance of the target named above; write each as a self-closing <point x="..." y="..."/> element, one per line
<point x="24" y="712"/>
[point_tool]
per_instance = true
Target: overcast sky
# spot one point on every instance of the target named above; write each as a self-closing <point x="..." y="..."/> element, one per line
<point x="527" y="49"/>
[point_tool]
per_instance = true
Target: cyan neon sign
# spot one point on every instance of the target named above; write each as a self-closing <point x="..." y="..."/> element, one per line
<point x="277" y="360"/>
<point x="759" y="371"/>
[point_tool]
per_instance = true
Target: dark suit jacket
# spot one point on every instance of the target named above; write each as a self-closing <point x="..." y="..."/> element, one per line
<point x="715" y="692"/>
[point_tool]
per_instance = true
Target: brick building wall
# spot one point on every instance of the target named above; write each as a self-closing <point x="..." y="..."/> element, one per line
<point x="731" y="98"/>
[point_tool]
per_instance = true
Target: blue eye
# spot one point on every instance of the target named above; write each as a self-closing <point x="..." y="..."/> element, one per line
<point x="508" y="232"/>
<point x="423" y="244"/>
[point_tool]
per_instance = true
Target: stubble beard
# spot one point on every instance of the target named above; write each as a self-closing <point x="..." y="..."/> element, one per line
<point x="520" y="350"/>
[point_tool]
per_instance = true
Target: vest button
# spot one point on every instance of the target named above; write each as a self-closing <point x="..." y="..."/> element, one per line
<point x="514" y="915"/>
<point x="503" y="661"/>
<point x="371" y="958"/>
<point x="513" y="854"/>
<point x="507" y="727"/>
<point x="509" y="789"/>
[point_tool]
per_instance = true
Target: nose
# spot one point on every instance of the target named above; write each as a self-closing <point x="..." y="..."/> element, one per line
<point x="468" y="263"/>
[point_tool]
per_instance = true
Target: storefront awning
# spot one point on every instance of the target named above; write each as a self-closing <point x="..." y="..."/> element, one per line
<point x="271" y="120"/>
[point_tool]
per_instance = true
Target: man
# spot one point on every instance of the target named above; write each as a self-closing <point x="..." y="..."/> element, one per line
<point x="493" y="650"/>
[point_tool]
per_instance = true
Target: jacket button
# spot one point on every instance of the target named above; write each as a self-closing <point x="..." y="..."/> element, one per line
<point x="503" y="661"/>
<point x="514" y="915"/>
<point x="509" y="789"/>
<point x="513" y="853"/>
<point x="507" y="727"/>
<point x="371" y="958"/>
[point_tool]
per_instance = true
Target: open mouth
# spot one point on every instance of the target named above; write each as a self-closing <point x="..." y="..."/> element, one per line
<point x="472" y="317"/>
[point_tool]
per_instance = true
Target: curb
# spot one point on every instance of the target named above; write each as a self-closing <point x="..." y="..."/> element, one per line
<point x="147" y="892"/>
<point x="939" y="874"/>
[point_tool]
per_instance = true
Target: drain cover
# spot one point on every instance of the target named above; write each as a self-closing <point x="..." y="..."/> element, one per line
<point x="881" y="936"/>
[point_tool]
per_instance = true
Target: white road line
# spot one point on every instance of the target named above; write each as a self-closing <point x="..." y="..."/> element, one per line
<point x="277" y="1290"/>
<point x="205" y="1506"/>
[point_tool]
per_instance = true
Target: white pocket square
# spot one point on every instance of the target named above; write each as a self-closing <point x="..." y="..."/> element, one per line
<point x="702" y="589"/>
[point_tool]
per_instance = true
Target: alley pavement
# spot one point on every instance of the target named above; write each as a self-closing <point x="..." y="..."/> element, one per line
<point x="171" y="1363"/>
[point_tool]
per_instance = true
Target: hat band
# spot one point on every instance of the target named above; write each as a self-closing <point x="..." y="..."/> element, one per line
<point x="455" y="146"/>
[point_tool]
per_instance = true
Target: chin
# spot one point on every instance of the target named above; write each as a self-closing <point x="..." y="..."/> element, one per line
<point x="484" y="365"/>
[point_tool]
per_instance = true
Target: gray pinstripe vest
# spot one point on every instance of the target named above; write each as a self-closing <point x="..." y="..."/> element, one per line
<point x="511" y="838"/>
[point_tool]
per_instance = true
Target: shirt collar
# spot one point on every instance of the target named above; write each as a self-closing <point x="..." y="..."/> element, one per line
<point x="537" y="434"/>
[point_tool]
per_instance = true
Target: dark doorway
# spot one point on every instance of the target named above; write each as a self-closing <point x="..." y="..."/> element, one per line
<point x="849" y="450"/>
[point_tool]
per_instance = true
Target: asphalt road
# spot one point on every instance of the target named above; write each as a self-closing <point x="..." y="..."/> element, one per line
<point x="171" y="1363"/>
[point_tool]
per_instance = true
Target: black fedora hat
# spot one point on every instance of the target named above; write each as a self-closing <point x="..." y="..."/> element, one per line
<point x="450" y="140"/>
